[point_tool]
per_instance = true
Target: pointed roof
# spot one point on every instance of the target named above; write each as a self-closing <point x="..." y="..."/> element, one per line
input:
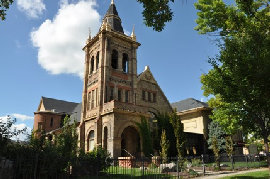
<point x="188" y="104"/>
<point x="113" y="19"/>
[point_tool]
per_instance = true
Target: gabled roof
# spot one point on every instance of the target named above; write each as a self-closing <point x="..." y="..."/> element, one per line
<point x="147" y="75"/>
<point x="188" y="104"/>
<point x="113" y="19"/>
<point x="59" y="106"/>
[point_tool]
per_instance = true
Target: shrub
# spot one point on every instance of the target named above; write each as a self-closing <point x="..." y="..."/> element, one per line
<point x="92" y="163"/>
<point x="196" y="162"/>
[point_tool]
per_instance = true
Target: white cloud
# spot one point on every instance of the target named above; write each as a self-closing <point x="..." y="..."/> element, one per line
<point x="32" y="8"/>
<point x="22" y="117"/>
<point x="23" y="136"/>
<point x="60" y="41"/>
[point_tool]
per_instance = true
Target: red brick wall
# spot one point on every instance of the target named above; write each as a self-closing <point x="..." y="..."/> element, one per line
<point x="45" y="119"/>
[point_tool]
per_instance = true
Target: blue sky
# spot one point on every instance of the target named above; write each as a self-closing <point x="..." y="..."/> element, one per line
<point x="41" y="42"/>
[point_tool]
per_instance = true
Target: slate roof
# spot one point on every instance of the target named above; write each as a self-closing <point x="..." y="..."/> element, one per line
<point x="59" y="105"/>
<point x="113" y="19"/>
<point x="187" y="104"/>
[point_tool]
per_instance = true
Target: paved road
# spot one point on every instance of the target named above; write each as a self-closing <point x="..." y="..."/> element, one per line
<point x="221" y="174"/>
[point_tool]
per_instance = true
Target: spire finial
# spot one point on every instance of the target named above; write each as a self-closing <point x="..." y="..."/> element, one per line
<point x="112" y="1"/>
<point x="133" y="36"/>
<point x="89" y="36"/>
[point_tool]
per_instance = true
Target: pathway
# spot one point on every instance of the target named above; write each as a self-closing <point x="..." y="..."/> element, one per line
<point x="214" y="175"/>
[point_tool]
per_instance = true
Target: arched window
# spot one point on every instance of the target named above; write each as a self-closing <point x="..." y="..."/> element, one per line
<point x="125" y="63"/>
<point x="92" y="65"/>
<point x="91" y="140"/>
<point x="105" y="140"/>
<point x="97" y="60"/>
<point x="114" y="62"/>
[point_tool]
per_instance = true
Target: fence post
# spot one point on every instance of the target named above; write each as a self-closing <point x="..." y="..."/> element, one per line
<point x="247" y="160"/>
<point x="36" y="163"/>
<point x="143" y="167"/>
<point x="203" y="165"/>
<point x="177" y="167"/>
<point x="232" y="162"/>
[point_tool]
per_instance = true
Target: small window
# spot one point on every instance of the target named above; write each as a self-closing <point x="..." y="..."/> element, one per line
<point x="143" y="95"/>
<point x="149" y="97"/>
<point x="97" y="61"/>
<point x="51" y="123"/>
<point x="92" y="65"/>
<point x="154" y="97"/>
<point x="126" y="96"/>
<point x="119" y="95"/>
<point x="114" y="60"/>
<point x="111" y="93"/>
<point x="40" y="126"/>
<point x="125" y="63"/>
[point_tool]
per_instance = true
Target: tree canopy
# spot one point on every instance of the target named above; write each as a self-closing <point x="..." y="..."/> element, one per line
<point x="240" y="76"/>
<point x="156" y="13"/>
<point x="4" y="5"/>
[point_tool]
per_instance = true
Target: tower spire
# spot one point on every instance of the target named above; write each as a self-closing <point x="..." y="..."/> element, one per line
<point x="112" y="1"/>
<point x="133" y="36"/>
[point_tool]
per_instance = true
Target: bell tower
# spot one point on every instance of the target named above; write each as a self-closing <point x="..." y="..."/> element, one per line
<point x="110" y="77"/>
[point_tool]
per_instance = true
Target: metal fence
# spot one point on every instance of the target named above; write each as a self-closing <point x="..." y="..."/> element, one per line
<point x="128" y="167"/>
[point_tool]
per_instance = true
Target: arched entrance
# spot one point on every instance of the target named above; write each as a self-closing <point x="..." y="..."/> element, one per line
<point x="130" y="142"/>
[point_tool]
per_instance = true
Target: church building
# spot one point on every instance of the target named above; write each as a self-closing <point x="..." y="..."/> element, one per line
<point x="115" y="96"/>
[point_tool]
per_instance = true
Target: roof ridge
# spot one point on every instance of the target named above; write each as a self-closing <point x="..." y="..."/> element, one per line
<point x="60" y="100"/>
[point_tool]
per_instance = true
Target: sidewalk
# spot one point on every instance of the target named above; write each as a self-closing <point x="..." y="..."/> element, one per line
<point x="214" y="175"/>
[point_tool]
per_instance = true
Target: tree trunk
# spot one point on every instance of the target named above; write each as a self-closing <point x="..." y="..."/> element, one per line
<point x="267" y="150"/>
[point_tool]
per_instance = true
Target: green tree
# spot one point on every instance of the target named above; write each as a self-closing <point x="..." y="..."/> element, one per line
<point x="7" y="131"/>
<point x="147" y="144"/>
<point x="178" y="128"/>
<point x="216" y="140"/>
<point x="156" y="13"/>
<point x="229" y="146"/>
<point x="4" y="5"/>
<point x="164" y="143"/>
<point x="67" y="141"/>
<point x="240" y="73"/>
<point x="163" y="123"/>
<point x="225" y="114"/>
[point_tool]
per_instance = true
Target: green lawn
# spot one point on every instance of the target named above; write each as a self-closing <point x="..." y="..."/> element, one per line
<point x="259" y="174"/>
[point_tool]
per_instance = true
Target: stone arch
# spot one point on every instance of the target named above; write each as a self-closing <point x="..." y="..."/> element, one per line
<point x="122" y="127"/>
<point x="130" y="139"/>
<point x="130" y="142"/>
<point x="89" y="129"/>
